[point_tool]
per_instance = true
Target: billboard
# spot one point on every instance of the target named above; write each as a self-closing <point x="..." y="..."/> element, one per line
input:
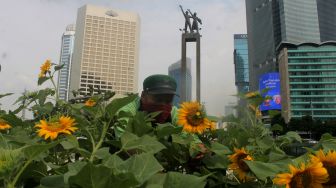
<point x="270" y="83"/>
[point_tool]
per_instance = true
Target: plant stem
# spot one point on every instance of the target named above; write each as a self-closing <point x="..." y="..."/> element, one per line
<point x="12" y="184"/>
<point x="53" y="82"/>
<point x="92" y="140"/>
<point x="100" y="142"/>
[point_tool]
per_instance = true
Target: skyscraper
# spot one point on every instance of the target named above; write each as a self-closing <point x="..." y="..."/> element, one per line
<point x="174" y="71"/>
<point x="272" y="22"/>
<point x="68" y="38"/>
<point x="240" y="57"/>
<point x="106" y="51"/>
<point x="308" y="77"/>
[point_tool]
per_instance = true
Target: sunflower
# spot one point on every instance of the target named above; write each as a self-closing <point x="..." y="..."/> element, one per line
<point x="4" y="125"/>
<point x="312" y="175"/>
<point x="329" y="162"/>
<point x="51" y="129"/>
<point x="191" y="116"/>
<point x="238" y="164"/>
<point x="90" y="103"/>
<point x="251" y="94"/>
<point x="45" y="68"/>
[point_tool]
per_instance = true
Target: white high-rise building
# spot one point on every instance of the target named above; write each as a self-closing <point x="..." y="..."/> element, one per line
<point x="106" y="53"/>
<point x="66" y="56"/>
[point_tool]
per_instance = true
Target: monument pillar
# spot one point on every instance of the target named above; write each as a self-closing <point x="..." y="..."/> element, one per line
<point x="190" y="37"/>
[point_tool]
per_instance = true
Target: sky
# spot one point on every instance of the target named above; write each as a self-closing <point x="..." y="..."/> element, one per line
<point x="31" y="31"/>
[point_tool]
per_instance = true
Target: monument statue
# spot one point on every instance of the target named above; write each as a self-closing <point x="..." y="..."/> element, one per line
<point x="196" y="20"/>
<point x="187" y="20"/>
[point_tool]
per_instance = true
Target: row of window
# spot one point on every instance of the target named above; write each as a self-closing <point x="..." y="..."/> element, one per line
<point x="312" y="54"/>
<point x="314" y="99"/>
<point x="108" y="21"/>
<point x="313" y="92"/>
<point x="311" y="60"/>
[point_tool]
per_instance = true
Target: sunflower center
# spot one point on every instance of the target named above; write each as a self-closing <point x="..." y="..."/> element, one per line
<point x="332" y="173"/>
<point x="301" y="180"/>
<point x="241" y="163"/>
<point x="54" y="126"/>
<point x="195" y="120"/>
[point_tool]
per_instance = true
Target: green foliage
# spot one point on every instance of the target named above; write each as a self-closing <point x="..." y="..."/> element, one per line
<point x="116" y="148"/>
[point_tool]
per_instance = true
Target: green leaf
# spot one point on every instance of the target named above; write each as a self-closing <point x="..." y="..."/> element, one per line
<point x="43" y="94"/>
<point x="183" y="138"/>
<point x="145" y="143"/>
<point x="91" y="176"/>
<point x="6" y="94"/>
<point x="219" y="148"/>
<point x="143" y="166"/>
<point x="123" y="180"/>
<point x="33" y="151"/>
<point x="216" y="162"/>
<point x="276" y="155"/>
<point x="13" y="120"/>
<point x="265" y="143"/>
<point x="156" y="181"/>
<point x="139" y="124"/>
<point x="103" y="153"/>
<point x="329" y="144"/>
<point x="41" y="80"/>
<point x="59" y="67"/>
<point x="20" y="136"/>
<point x="53" y="181"/>
<point x="264" y="170"/>
<point x="117" y="104"/>
<point x="113" y="161"/>
<point x="167" y="129"/>
<point x="70" y="143"/>
<point x="73" y="169"/>
<point x="179" y="180"/>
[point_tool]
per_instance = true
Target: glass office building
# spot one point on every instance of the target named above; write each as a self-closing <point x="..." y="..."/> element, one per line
<point x="273" y="22"/>
<point x="67" y="47"/>
<point x="240" y="55"/>
<point x="308" y="80"/>
<point x="174" y="71"/>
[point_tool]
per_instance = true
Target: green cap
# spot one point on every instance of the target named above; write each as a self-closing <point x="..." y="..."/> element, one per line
<point x="159" y="84"/>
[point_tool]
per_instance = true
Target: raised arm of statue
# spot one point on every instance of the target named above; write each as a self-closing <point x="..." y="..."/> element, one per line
<point x="182" y="11"/>
<point x="187" y="20"/>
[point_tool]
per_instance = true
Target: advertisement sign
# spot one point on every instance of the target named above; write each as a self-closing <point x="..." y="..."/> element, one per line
<point x="270" y="83"/>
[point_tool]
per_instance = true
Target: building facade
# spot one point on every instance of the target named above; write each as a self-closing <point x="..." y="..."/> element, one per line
<point x="240" y="58"/>
<point x="67" y="47"/>
<point x="270" y="23"/>
<point x="174" y="71"/>
<point x="230" y="109"/>
<point x="106" y="53"/>
<point x="308" y="80"/>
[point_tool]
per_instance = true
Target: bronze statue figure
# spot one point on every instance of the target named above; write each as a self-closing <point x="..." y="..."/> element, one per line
<point x="196" y="20"/>
<point x="187" y="20"/>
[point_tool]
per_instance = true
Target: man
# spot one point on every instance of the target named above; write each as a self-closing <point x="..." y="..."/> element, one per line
<point x="157" y="96"/>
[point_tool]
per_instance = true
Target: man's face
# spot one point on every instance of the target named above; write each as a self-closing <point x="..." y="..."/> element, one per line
<point x="159" y="99"/>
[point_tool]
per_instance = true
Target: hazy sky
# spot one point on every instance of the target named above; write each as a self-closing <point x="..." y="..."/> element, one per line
<point x="30" y="33"/>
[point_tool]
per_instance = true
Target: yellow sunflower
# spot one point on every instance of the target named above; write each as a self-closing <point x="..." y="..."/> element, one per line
<point x="251" y="94"/>
<point x="329" y="162"/>
<point x="53" y="128"/>
<point x="238" y="164"/>
<point x="4" y="125"/>
<point x="312" y="175"/>
<point x="191" y="116"/>
<point x="90" y="103"/>
<point x="45" y="68"/>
